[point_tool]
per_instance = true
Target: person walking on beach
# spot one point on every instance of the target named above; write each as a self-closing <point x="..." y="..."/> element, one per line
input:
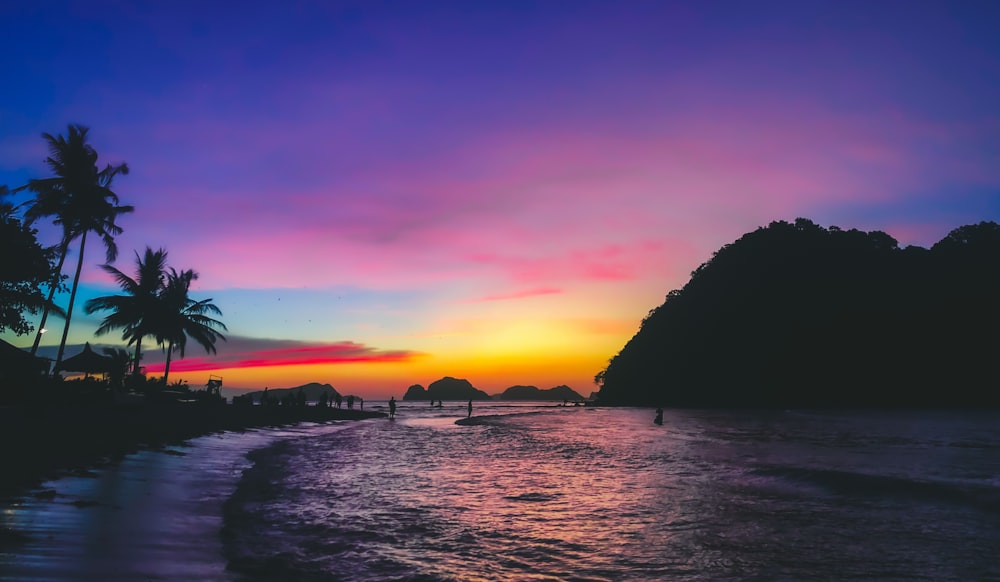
<point x="392" y="407"/>
<point x="470" y="410"/>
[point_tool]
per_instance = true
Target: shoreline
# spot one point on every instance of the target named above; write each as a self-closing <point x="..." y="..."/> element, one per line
<point x="157" y="513"/>
<point x="44" y="443"/>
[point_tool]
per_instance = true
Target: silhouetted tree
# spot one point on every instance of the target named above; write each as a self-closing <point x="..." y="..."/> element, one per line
<point x="181" y="317"/>
<point x="80" y="199"/>
<point x="120" y="361"/>
<point x="797" y="315"/>
<point x="136" y="311"/>
<point x="25" y="266"/>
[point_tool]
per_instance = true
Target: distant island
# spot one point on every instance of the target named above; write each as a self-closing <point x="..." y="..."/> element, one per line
<point x="446" y="388"/>
<point x="534" y="393"/>
<point x="449" y="388"/>
<point x="797" y="315"/>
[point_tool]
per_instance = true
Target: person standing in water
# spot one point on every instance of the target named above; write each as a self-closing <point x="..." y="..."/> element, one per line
<point x="392" y="407"/>
<point x="470" y="410"/>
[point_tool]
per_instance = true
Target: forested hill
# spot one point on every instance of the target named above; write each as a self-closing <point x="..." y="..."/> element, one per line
<point x="796" y="315"/>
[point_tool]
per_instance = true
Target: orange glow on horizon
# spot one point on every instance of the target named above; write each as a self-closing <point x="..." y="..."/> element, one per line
<point x="382" y="380"/>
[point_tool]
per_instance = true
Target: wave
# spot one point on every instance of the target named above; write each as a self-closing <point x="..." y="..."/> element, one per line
<point x="533" y="497"/>
<point x="541" y="494"/>
<point x="851" y="483"/>
<point x="487" y="419"/>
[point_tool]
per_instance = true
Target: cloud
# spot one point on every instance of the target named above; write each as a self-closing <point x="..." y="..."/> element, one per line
<point x="610" y="262"/>
<point x="247" y="352"/>
<point x="242" y="352"/>
<point x="523" y="294"/>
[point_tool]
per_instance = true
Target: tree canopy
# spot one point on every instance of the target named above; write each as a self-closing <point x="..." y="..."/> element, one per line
<point x="78" y="198"/>
<point x="796" y="315"/>
<point x="180" y="317"/>
<point x="156" y="303"/>
<point x="25" y="266"/>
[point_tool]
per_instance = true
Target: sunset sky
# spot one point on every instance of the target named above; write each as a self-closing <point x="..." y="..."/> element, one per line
<point x="379" y="194"/>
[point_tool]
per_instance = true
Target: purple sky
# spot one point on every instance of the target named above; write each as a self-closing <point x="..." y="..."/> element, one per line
<point x="493" y="190"/>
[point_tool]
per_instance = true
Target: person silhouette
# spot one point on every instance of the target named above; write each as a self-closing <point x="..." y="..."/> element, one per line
<point x="659" y="416"/>
<point x="470" y="409"/>
<point x="392" y="407"/>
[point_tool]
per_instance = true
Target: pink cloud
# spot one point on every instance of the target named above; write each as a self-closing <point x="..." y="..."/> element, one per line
<point x="241" y="352"/>
<point x="608" y="263"/>
<point x="521" y="294"/>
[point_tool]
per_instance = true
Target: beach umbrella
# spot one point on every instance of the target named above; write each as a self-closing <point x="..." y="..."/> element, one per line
<point x="12" y="357"/>
<point x="88" y="361"/>
<point x="9" y="353"/>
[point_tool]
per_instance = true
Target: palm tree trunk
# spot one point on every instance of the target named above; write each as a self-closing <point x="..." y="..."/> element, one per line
<point x="52" y="293"/>
<point x="166" y="369"/>
<point x="138" y="355"/>
<point x="72" y="299"/>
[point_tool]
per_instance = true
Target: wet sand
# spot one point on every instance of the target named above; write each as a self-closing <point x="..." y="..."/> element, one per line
<point x="43" y="443"/>
<point x="155" y="515"/>
<point x="112" y="493"/>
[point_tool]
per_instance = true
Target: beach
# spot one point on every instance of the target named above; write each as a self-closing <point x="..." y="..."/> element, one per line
<point x="44" y="442"/>
<point x="153" y="515"/>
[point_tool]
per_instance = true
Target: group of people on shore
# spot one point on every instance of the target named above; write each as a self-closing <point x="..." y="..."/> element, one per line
<point x="392" y="407"/>
<point x="337" y="401"/>
<point x="298" y="398"/>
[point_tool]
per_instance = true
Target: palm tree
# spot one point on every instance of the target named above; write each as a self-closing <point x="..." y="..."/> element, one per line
<point x="57" y="277"/>
<point x="135" y="312"/>
<point x="80" y="198"/>
<point x="120" y="360"/>
<point x="182" y="317"/>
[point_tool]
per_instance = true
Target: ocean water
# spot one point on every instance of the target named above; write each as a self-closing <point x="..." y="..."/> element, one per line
<point x="541" y="492"/>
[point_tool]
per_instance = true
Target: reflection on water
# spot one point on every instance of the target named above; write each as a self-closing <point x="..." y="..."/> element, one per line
<point x="538" y="493"/>
<point x="155" y="515"/>
<point x="600" y="494"/>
